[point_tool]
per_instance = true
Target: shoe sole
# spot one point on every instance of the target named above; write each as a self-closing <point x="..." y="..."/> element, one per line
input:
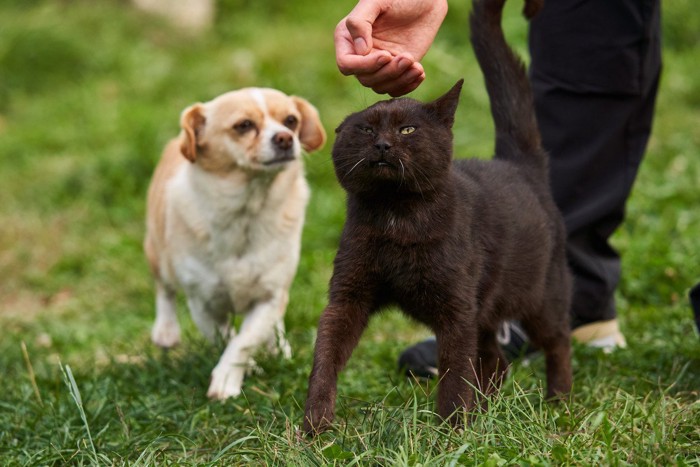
<point x="604" y="335"/>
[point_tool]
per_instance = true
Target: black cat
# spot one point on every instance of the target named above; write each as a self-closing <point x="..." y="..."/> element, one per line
<point x="458" y="245"/>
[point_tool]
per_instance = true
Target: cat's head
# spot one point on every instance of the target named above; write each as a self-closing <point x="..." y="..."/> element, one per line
<point x="398" y="145"/>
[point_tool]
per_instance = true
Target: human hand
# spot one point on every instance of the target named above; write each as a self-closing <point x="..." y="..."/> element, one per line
<point x="381" y="42"/>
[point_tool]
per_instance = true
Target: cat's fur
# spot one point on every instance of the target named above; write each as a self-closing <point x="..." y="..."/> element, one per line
<point x="459" y="246"/>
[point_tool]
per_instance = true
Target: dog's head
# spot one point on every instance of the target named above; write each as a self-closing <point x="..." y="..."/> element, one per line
<point x="252" y="128"/>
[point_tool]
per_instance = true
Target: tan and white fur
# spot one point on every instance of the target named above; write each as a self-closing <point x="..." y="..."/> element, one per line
<point x="225" y="213"/>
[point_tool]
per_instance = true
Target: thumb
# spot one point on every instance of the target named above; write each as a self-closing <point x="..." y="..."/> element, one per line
<point x="359" y="23"/>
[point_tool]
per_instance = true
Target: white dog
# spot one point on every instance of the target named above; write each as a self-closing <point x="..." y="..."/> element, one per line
<point x="225" y="213"/>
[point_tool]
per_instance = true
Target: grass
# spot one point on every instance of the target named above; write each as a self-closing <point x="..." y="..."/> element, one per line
<point x="89" y="94"/>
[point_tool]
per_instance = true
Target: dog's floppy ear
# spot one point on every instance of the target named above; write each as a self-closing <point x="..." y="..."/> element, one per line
<point x="192" y="122"/>
<point x="312" y="135"/>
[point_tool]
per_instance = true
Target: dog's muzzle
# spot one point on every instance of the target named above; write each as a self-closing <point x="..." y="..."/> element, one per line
<point x="283" y="145"/>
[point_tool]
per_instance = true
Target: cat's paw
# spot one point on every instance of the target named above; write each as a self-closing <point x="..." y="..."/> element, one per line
<point x="318" y="418"/>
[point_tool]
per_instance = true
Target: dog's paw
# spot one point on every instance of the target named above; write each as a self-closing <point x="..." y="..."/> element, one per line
<point x="226" y="381"/>
<point x="166" y="334"/>
<point x="286" y="349"/>
<point x="280" y="346"/>
<point x="253" y="368"/>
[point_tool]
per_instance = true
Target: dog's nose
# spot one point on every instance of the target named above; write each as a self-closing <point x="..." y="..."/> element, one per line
<point x="283" y="140"/>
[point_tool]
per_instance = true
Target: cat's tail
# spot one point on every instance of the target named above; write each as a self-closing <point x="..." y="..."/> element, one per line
<point x="517" y="134"/>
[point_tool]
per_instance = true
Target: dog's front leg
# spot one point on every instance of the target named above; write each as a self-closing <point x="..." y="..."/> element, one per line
<point x="257" y="329"/>
<point x="278" y="339"/>
<point x="339" y="330"/>
<point x="166" y="329"/>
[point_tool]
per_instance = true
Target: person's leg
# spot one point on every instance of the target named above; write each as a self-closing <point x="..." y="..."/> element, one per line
<point x="593" y="165"/>
<point x="594" y="87"/>
<point x="694" y="297"/>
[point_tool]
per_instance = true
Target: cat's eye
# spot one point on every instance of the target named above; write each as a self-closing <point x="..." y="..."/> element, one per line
<point x="366" y="129"/>
<point x="407" y="130"/>
<point x="244" y="126"/>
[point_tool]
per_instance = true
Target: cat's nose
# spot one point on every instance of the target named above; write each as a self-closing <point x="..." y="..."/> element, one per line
<point x="382" y="146"/>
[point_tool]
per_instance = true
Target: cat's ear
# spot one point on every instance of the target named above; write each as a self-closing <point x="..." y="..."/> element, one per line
<point x="444" y="107"/>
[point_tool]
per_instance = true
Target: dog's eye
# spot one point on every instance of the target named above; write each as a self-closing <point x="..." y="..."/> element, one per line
<point x="243" y="126"/>
<point x="291" y="122"/>
<point x="407" y="130"/>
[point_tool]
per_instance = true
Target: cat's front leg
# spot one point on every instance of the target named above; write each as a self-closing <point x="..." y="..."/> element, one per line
<point x="339" y="330"/>
<point x="457" y="365"/>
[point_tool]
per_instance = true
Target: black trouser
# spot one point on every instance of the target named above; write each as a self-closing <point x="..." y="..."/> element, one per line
<point x="594" y="71"/>
<point x="695" y="303"/>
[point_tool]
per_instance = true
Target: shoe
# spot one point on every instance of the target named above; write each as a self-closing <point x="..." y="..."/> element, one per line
<point x="603" y="335"/>
<point x="420" y="360"/>
<point x="514" y="341"/>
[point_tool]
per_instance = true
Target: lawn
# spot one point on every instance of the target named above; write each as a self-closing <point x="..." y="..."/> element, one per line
<point x="89" y="94"/>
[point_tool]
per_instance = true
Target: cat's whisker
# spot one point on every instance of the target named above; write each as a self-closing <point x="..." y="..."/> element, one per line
<point x="420" y="172"/>
<point x="354" y="167"/>
<point x="344" y="163"/>
<point x="420" y="189"/>
<point x="403" y="173"/>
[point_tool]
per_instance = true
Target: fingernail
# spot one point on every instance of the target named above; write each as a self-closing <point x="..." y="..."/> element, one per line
<point x="360" y="46"/>
<point x="403" y="64"/>
<point x="416" y="74"/>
